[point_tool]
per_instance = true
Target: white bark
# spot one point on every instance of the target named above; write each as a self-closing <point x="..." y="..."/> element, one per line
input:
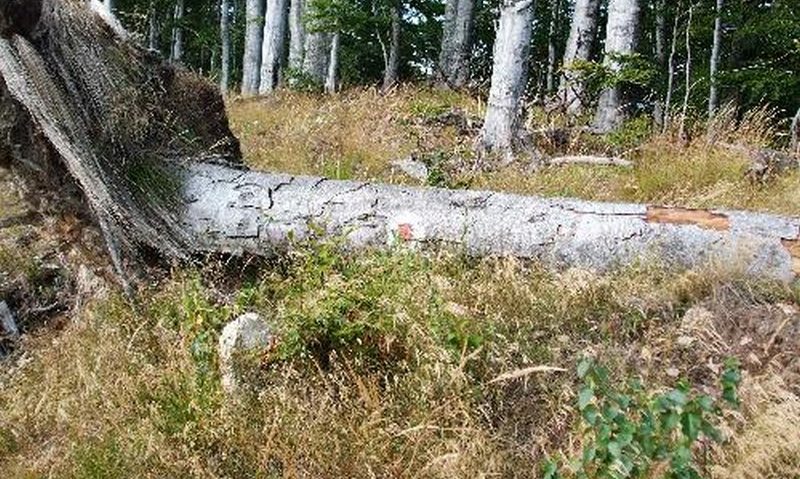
<point x="580" y="42"/>
<point x="551" y="49"/>
<point x="274" y="44"/>
<point x="331" y="81"/>
<point x="297" y="34"/>
<point x="713" y="94"/>
<point x="109" y="4"/>
<point x="661" y="57"/>
<point x="315" y="62"/>
<point x="176" y="53"/>
<point x="509" y="76"/>
<point x="687" y="78"/>
<point x="253" y="39"/>
<point x="454" y="56"/>
<point x="671" y="74"/>
<point x="392" y="69"/>
<point x="153" y="33"/>
<point x="621" y="39"/>
<point x="796" y="133"/>
<point x="225" y="41"/>
<point x="234" y="211"/>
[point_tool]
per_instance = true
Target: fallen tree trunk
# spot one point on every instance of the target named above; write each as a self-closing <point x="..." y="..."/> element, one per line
<point x="240" y="211"/>
<point x="196" y="207"/>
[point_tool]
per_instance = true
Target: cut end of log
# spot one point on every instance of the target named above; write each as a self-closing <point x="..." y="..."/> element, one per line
<point x="684" y="216"/>
<point x="793" y="247"/>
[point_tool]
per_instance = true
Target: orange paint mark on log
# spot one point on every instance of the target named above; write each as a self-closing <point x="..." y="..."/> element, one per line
<point x="685" y="216"/>
<point x="793" y="247"/>
<point x="404" y="232"/>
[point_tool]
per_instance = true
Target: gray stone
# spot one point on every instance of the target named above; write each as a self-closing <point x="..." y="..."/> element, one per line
<point x="246" y="335"/>
<point x="8" y="326"/>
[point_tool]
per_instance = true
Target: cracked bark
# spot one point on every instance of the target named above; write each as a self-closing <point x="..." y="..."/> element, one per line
<point x="231" y="213"/>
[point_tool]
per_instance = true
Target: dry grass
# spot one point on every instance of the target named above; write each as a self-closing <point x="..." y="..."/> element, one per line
<point x="358" y="133"/>
<point x="118" y="393"/>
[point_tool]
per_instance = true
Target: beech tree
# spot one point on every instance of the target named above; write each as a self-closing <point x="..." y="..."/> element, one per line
<point x="274" y="45"/>
<point x="713" y="95"/>
<point x="581" y="41"/>
<point x="621" y="41"/>
<point x="253" y="40"/>
<point x="225" y="43"/>
<point x="176" y="54"/>
<point x="509" y="75"/>
<point x="454" y="56"/>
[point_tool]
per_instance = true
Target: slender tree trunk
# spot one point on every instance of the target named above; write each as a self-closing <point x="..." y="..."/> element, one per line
<point x="274" y="45"/>
<point x="551" y="49"/>
<point x="661" y="58"/>
<point x="796" y="133"/>
<point x="582" y="35"/>
<point x="225" y="41"/>
<point x="454" y="56"/>
<point x="621" y="39"/>
<point x="297" y="34"/>
<point x="176" y="54"/>
<point x="317" y="50"/>
<point x="331" y="81"/>
<point x="253" y="39"/>
<point x="509" y="76"/>
<point x="713" y="95"/>
<point x="153" y="33"/>
<point x="447" y="53"/>
<point x="391" y="72"/>
<point x="671" y="72"/>
<point x="688" y="78"/>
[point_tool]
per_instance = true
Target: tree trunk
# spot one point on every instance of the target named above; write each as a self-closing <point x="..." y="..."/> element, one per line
<point x="713" y="95"/>
<point x="687" y="78"/>
<point x="661" y="58"/>
<point x="191" y="207"/>
<point x="176" y="53"/>
<point x="391" y="72"/>
<point x="671" y="72"/>
<point x="454" y="56"/>
<point x="331" y="81"/>
<point x="317" y="50"/>
<point x="274" y="44"/>
<point x="580" y="43"/>
<point x="550" y="81"/>
<point x="621" y="39"/>
<point x="253" y="39"/>
<point x="297" y="33"/>
<point x="225" y="41"/>
<point x="509" y="76"/>
<point x="153" y="33"/>
<point x="796" y="133"/>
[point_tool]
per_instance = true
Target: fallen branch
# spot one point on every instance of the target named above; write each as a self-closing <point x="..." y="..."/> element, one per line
<point x="589" y="160"/>
<point x="521" y="373"/>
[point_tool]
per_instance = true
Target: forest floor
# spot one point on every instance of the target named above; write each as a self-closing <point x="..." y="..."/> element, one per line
<point x="400" y="364"/>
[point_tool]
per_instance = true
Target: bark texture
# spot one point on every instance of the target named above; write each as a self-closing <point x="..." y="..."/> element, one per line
<point x="621" y="39"/>
<point x="235" y="211"/>
<point x="392" y="70"/>
<point x="274" y="45"/>
<point x="331" y="81"/>
<point x="457" y="32"/>
<point x="152" y="31"/>
<point x="253" y="39"/>
<point x="176" y="53"/>
<point x="580" y="44"/>
<point x="297" y="34"/>
<point x="713" y="94"/>
<point x="509" y="76"/>
<point x="225" y="41"/>
<point x="315" y="61"/>
<point x="796" y="133"/>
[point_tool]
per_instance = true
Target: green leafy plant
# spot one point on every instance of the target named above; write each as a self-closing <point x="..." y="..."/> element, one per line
<point x="629" y="432"/>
